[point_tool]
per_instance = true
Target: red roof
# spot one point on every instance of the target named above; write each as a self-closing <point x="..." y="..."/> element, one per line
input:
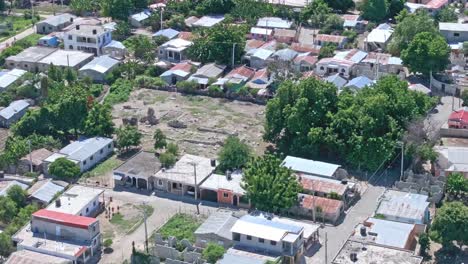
<point x="305" y="48"/>
<point x="254" y="43"/>
<point x="260" y="74"/>
<point x="328" y="206"/>
<point x="242" y="71"/>
<point x="323" y="186"/>
<point x="65" y="219"/>
<point x="330" y="38"/>
<point x="185" y="35"/>
<point x="460" y="115"/>
<point x="309" y="59"/>
<point x="436" y="4"/>
<point x="184" y="66"/>
<point x="309" y="74"/>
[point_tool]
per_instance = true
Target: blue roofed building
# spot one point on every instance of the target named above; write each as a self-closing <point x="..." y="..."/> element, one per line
<point x="12" y="113"/>
<point x="168" y="33"/>
<point x="359" y="83"/>
<point x="98" y="68"/>
<point x="311" y="167"/>
<point x="86" y="153"/>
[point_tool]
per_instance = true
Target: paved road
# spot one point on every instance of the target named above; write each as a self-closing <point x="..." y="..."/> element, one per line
<point x="337" y="235"/>
<point x="164" y="209"/>
<point x="435" y="120"/>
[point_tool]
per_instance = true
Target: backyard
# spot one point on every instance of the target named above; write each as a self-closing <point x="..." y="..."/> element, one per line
<point x="204" y="122"/>
<point x="180" y="226"/>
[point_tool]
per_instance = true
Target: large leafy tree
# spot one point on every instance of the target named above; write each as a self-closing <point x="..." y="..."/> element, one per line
<point x="447" y="14"/>
<point x="340" y="5"/>
<point x="251" y="10"/>
<point x="8" y="209"/>
<point x="71" y="110"/>
<point x="270" y="186"/>
<point x="409" y="25"/>
<point x="374" y="10"/>
<point x="144" y="49"/>
<point x="426" y="52"/>
<point x="315" y="13"/>
<point x="117" y="9"/>
<point x="160" y="140"/>
<point x="17" y="195"/>
<point x="214" y="7"/>
<point x="457" y="185"/>
<point x="217" y="43"/>
<point x="395" y="7"/>
<point x="99" y="121"/>
<point x="64" y="169"/>
<point x="128" y="136"/>
<point x="38" y="121"/>
<point x="451" y="224"/>
<point x="81" y="6"/>
<point x="6" y="245"/>
<point x="234" y="154"/>
<point x="140" y="4"/>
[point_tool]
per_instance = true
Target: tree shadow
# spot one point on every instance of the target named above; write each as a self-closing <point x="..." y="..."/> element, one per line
<point x="453" y="255"/>
<point x="108" y="250"/>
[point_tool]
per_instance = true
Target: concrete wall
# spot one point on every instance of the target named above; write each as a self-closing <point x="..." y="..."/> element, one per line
<point x="324" y="69"/>
<point x="67" y="232"/>
<point x="96" y="157"/>
<point x="445" y="131"/>
<point x="17" y="116"/>
<point x="254" y="243"/>
<point x="70" y="42"/>
<point x="454" y="36"/>
<point x="443" y="87"/>
<point x="113" y="52"/>
<point x="201" y="240"/>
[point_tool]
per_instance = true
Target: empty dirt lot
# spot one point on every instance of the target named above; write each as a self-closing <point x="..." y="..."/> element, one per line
<point x="208" y="120"/>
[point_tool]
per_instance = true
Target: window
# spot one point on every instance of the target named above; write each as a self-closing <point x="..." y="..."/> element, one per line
<point x="261" y="240"/>
<point x="70" y="47"/>
<point x="109" y="146"/>
<point x="70" y="37"/>
<point x="101" y="151"/>
<point x="273" y="243"/>
<point x="26" y="65"/>
<point x="225" y="195"/>
<point x="94" y="228"/>
<point x="236" y="236"/>
<point x="91" y="158"/>
<point x="94" y="203"/>
<point x="456" y="34"/>
<point x="84" y="162"/>
<point x="321" y="68"/>
<point x="249" y="238"/>
<point x="87" y="209"/>
<point x="160" y="182"/>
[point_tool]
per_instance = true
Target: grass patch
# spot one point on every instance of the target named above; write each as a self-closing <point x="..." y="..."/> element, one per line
<point x="18" y="24"/>
<point x="181" y="226"/>
<point x="104" y="167"/>
<point x="129" y="225"/>
<point x="107" y="235"/>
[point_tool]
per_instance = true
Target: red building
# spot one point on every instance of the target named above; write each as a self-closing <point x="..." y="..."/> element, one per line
<point x="459" y="118"/>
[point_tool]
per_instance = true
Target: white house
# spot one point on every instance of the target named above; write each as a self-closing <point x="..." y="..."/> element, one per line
<point x="138" y="19"/>
<point x="11" y="114"/>
<point x="78" y="200"/>
<point x="379" y="37"/>
<point x="342" y="63"/>
<point x="454" y="32"/>
<point x="98" y="68"/>
<point x="86" y="153"/>
<point x="87" y="38"/>
<point x="174" y="50"/>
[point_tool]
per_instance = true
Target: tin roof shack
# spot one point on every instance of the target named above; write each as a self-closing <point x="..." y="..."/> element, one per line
<point x="361" y="252"/>
<point x="185" y="177"/>
<point x="6" y="185"/>
<point x="354" y="22"/>
<point x="174" y="50"/>
<point x="29" y="58"/>
<point x="274" y="22"/>
<point x="259" y="58"/>
<point x="138" y="171"/>
<point x="78" y="200"/>
<point x="454" y="32"/>
<point x="342" y="63"/>
<point x="208" y="21"/>
<point x="262" y="232"/>
<point x="178" y="72"/>
<point x="76" y="238"/>
<point x="451" y="159"/>
<point x="305" y="167"/>
<point x="98" y="68"/>
<point x="324" y="39"/>
<point x="236" y="256"/>
<point x="54" y="23"/>
<point x="35" y="159"/>
<point x="224" y="189"/>
<point x="169" y="33"/>
<point x="216" y="229"/>
<point x="403" y="207"/>
<point x="115" y="49"/>
<point x="206" y="74"/>
<point x="377" y="65"/>
<point x="43" y="191"/>
<point x="31" y="257"/>
<point x="379" y="37"/>
<point x="65" y="58"/>
<point x="84" y="152"/>
<point x="137" y="20"/>
<point x="326" y="209"/>
<point x="10" y="77"/>
<point x="12" y="113"/>
<point x="388" y="233"/>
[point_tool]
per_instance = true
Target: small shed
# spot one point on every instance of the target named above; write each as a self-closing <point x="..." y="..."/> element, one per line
<point x="13" y="113"/>
<point x="138" y="19"/>
<point x="115" y="49"/>
<point x="216" y="229"/>
<point x="98" y="68"/>
<point x="36" y="157"/>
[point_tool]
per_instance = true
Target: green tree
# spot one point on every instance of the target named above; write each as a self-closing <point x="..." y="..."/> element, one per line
<point x="332" y="23"/>
<point x="172" y="148"/>
<point x="160" y="141"/>
<point x="98" y="122"/>
<point x="117" y="9"/>
<point x="315" y="13"/>
<point x="44" y="87"/>
<point x="395" y="7"/>
<point x="140" y="4"/>
<point x="144" y="49"/>
<point x="206" y="7"/>
<point x="71" y="110"/>
<point x="270" y="186"/>
<point x="424" y="243"/>
<point x="340" y="5"/>
<point x="167" y="159"/>
<point x="447" y="14"/>
<point x="107" y="243"/>
<point x="451" y="224"/>
<point x="234" y="154"/>
<point x="128" y="136"/>
<point x="154" y="21"/>
<point x="63" y="168"/>
<point x="8" y="209"/>
<point x="122" y="31"/>
<point x="214" y="43"/>
<point x="409" y="25"/>
<point x="38" y="121"/>
<point x="251" y="10"/>
<point x="17" y="195"/>
<point x="457" y="185"/>
<point x="6" y="245"/>
<point x="176" y="22"/>
<point x="213" y="252"/>
<point x="374" y="10"/>
<point x="327" y="51"/>
<point x="80" y="7"/>
<point x="2" y="5"/>
<point x="426" y="52"/>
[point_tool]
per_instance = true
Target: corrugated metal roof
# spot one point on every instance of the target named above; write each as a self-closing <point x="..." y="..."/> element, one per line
<point x="208" y="21"/>
<point x="219" y="223"/>
<point x="100" y="64"/>
<point x="168" y="33"/>
<point x="9" y="184"/>
<point x="359" y="82"/>
<point x="65" y="219"/>
<point x="262" y="53"/>
<point x="285" y="54"/>
<point x="141" y="16"/>
<point x="58" y="19"/>
<point x="403" y="205"/>
<point x="115" y="44"/>
<point x="384" y="232"/>
<point x="80" y="150"/>
<point x="10" y="77"/>
<point x="216" y="182"/>
<point x="47" y="192"/>
<point x="273" y="22"/>
<point x="13" y="108"/>
<point x="310" y="166"/>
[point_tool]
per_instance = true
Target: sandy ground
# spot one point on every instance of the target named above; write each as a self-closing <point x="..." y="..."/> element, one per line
<point x="209" y="120"/>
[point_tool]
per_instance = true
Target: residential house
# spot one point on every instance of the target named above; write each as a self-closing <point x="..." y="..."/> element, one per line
<point x="304" y="48"/>
<point x="65" y="59"/>
<point x="6" y="185"/>
<point x="342" y="63"/>
<point x="454" y="32"/>
<point x="216" y="229"/>
<point x="181" y="179"/>
<point x="138" y="171"/>
<point x="44" y="191"/>
<point x="305" y="167"/>
<point x="376" y="65"/>
<point x="174" y="50"/>
<point x="307" y="36"/>
<point x="87" y="38"/>
<point x="260" y="81"/>
<point x="206" y="74"/>
<point x="138" y="20"/>
<point x="26" y="256"/>
<point x="284" y="55"/>
<point x="359" y="252"/>
<point x="328" y="188"/>
<point x="85" y="152"/>
<point x="324" y="39"/>
<point x="262" y="232"/>
<point x="403" y="207"/>
<point x="388" y="233"/>
<point x="62" y="235"/>
<point x="259" y="58"/>
<point x="178" y="72"/>
<point x="354" y="22"/>
<point x="379" y="37"/>
<point x="457" y="54"/>
<point x="189" y="21"/>
<point x="236" y="78"/>
<point x="80" y="201"/>
<point x="115" y="49"/>
<point x="98" y="68"/>
<point x="208" y="21"/>
<point x="459" y="118"/>
<point x="28" y="59"/>
<point x="168" y="33"/>
<point x="325" y="209"/>
<point x="8" y="78"/>
<point x="12" y="113"/>
<point x="290" y="3"/>
<point x="451" y="159"/>
<point x="336" y="80"/>
<point x="287" y="36"/>
<point x="358" y="83"/>
<point x="49" y="41"/>
<point x="237" y="256"/>
<point x="431" y="6"/>
<point x="35" y="159"/>
<point x="258" y="33"/>
<point x="418" y="87"/>
<point x="54" y="23"/>
<point x="224" y="189"/>
<point x="305" y="62"/>
<point x="274" y="22"/>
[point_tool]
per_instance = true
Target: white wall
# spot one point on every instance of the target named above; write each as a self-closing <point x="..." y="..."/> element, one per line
<point x="96" y="157"/>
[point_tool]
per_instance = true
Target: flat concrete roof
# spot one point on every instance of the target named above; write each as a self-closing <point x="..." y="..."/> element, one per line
<point x="31" y="257"/>
<point x="143" y="164"/>
<point x="32" y="54"/>
<point x="66" y="58"/>
<point x="75" y="199"/>
<point x="183" y="170"/>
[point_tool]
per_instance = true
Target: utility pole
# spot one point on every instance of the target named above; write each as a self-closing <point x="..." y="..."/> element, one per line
<point x="161" y="17"/>
<point x="146" y="228"/>
<point x="30" y="156"/>
<point x="196" y="186"/>
<point x="313" y="201"/>
<point x="402" y="159"/>
<point x="326" y="248"/>
<point x="233" y="53"/>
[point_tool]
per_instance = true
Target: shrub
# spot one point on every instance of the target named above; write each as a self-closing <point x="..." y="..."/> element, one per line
<point x="107" y="243"/>
<point x="186" y="86"/>
<point x="64" y="168"/>
<point x="167" y="159"/>
<point x="119" y="91"/>
<point x="213" y="252"/>
<point x="96" y="89"/>
<point x="215" y="90"/>
<point x="173" y="148"/>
